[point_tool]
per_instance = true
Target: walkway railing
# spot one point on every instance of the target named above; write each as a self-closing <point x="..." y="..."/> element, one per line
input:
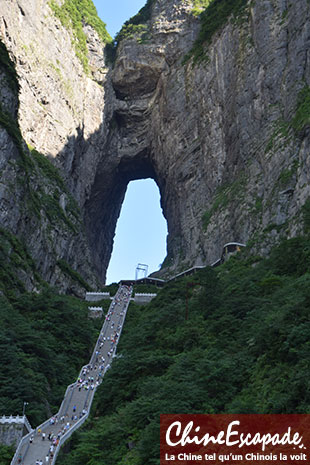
<point x="68" y="434"/>
<point x="18" y="419"/>
<point x="73" y="428"/>
<point x="24" y="440"/>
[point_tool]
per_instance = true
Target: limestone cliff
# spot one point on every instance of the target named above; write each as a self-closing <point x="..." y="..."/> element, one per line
<point x="57" y="107"/>
<point x="226" y="139"/>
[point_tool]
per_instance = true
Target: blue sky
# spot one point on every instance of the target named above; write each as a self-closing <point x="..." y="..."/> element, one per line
<point x="140" y="233"/>
<point x="141" y="229"/>
<point x="115" y="12"/>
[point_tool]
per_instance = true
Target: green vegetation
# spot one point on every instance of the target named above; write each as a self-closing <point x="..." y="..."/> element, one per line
<point x="50" y="202"/>
<point x="199" y="6"/>
<point x="214" y="16"/>
<point x="9" y="68"/>
<point x="66" y="268"/>
<point x="130" y="30"/>
<point x="25" y="163"/>
<point x="284" y="15"/>
<point x="12" y="127"/>
<point x="272" y="227"/>
<point x="136" y="27"/>
<point x="72" y="15"/>
<point x="43" y="188"/>
<point x="306" y="216"/>
<point x="6" y="120"/>
<point x="111" y="288"/>
<point x="280" y="136"/>
<point x="224" y="195"/>
<point x="287" y="174"/>
<point x="168" y="261"/>
<point x="143" y="15"/>
<point x="244" y="349"/>
<point x="257" y="208"/>
<point x="284" y="130"/>
<point x="136" y="24"/>
<point x="47" y="168"/>
<point x="145" y="289"/>
<point x="14" y="261"/>
<point x="30" y="161"/>
<point x="302" y="115"/>
<point x="6" y="454"/>
<point x="44" y="340"/>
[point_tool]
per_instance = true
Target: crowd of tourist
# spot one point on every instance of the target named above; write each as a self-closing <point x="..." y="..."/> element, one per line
<point x="90" y="377"/>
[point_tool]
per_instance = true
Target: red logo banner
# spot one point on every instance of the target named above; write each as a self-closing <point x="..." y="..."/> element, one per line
<point x="234" y="439"/>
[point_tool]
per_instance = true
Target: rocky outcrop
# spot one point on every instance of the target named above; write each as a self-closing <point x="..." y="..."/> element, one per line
<point x="226" y="140"/>
<point x="57" y="108"/>
<point x="220" y="138"/>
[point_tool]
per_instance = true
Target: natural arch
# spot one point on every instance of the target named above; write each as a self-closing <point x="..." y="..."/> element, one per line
<point x="143" y="138"/>
<point x="141" y="232"/>
<point x="106" y="199"/>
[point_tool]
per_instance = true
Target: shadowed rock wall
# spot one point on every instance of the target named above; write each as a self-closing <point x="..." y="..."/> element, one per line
<point x="221" y="138"/>
<point x="225" y="140"/>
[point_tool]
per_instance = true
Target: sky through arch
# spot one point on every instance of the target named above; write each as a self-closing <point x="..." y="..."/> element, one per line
<point x="115" y="12"/>
<point x="141" y="232"/>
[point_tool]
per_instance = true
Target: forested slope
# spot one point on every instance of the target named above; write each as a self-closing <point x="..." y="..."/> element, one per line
<point x="44" y="340"/>
<point x="243" y="349"/>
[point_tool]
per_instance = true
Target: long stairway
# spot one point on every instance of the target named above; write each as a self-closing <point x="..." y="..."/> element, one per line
<point x="44" y="442"/>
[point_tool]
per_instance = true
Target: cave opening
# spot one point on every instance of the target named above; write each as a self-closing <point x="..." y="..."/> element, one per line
<point x="141" y="232"/>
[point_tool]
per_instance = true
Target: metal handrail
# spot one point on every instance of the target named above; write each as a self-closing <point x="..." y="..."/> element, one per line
<point x="68" y="434"/>
<point x="27" y="424"/>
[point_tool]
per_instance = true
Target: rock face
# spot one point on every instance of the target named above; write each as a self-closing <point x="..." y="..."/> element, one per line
<point x="57" y="108"/>
<point x="10" y="435"/>
<point x="218" y="138"/>
<point x="226" y="140"/>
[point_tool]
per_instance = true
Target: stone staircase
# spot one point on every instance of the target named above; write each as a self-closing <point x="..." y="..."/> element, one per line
<point x="77" y="401"/>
